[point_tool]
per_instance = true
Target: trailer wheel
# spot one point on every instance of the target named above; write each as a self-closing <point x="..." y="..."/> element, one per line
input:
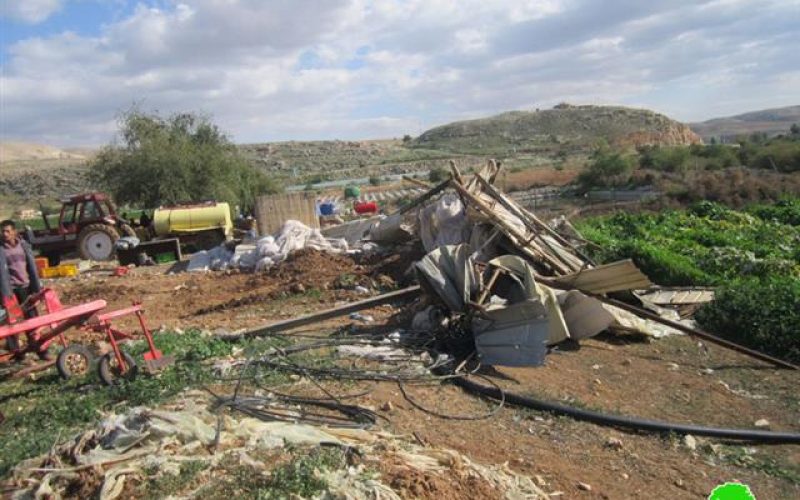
<point x="96" y="242"/>
<point x="74" y="360"/>
<point x="110" y="372"/>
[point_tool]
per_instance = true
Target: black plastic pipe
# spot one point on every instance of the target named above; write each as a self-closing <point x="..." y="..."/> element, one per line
<point x="757" y="436"/>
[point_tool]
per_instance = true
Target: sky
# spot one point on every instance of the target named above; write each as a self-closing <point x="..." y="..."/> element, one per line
<point x="274" y="70"/>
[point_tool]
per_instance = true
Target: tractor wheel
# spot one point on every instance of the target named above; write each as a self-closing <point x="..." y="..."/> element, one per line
<point x="96" y="242"/>
<point x="74" y="361"/>
<point x="110" y="372"/>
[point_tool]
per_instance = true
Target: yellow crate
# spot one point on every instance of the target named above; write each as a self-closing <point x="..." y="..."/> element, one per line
<point x="50" y="272"/>
<point x="62" y="271"/>
<point x="67" y="270"/>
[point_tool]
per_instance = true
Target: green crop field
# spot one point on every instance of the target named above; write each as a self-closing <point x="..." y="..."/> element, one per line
<point x="751" y="256"/>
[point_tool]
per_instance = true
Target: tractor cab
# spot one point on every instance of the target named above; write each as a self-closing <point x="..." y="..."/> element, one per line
<point x="80" y="210"/>
<point x="87" y="223"/>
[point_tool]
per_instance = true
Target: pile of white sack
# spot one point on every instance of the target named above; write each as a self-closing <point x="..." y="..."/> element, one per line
<point x="269" y="250"/>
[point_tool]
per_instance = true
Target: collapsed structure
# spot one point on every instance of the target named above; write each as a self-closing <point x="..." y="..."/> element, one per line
<point x="497" y="286"/>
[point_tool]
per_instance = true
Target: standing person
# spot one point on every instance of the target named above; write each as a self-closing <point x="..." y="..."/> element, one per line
<point x="18" y="275"/>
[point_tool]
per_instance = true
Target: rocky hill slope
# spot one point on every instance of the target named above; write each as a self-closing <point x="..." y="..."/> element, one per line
<point x="565" y="128"/>
<point x="769" y="121"/>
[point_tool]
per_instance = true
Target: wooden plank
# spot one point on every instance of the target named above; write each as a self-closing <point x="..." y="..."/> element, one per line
<point x="520" y="241"/>
<point x="425" y="197"/>
<point x="509" y="205"/>
<point x="404" y="294"/>
<point x="528" y="218"/>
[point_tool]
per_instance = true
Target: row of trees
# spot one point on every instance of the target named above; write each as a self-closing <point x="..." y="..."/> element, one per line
<point x="183" y="157"/>
<point x="608" y="167"/>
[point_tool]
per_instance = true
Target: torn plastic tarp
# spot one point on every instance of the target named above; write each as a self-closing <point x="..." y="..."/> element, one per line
<point x="444" y="223"/>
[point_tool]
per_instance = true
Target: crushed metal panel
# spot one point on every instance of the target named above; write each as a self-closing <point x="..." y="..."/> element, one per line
<point x="617" y="276"/>
<point x="449" y="272"/>
<point x="515" y="335"/>
<point x="585" y="316"/>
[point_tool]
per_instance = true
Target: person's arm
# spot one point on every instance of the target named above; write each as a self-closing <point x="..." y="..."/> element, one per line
<point x="33" y="272"/>
<point x="5" y="277"/>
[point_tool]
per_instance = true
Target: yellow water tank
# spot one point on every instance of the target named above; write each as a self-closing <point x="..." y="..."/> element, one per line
<point x="192" y="218"/>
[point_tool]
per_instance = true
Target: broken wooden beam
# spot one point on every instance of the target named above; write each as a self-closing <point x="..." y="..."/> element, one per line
<point x="424" y="197"/>
<point x="308" y="319"/>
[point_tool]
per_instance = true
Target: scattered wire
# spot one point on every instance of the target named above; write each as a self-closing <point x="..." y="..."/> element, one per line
<point x="501" y="402"/>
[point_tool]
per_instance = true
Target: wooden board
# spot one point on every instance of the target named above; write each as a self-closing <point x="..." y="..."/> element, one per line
<point x="273" y="210"/>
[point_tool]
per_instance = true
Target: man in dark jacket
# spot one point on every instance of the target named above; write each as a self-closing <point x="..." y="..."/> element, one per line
<point x="18" y="274"/>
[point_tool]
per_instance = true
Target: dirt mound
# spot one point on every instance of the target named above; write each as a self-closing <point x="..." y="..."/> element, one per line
<point x="452" y="484"/>
<point x="314" y="268"/>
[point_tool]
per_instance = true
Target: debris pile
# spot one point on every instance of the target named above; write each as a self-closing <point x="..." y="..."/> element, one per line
<point x="144" y="444"/>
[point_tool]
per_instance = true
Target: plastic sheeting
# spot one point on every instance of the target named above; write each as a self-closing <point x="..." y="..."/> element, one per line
<point x="123" y="446"/>
<point x="267" y="251"/>
<point x="444" y="223"/>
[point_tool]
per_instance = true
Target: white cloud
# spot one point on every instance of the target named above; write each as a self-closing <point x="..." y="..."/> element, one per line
<point x="334" y="69"/>
<point x="29" y="11"/>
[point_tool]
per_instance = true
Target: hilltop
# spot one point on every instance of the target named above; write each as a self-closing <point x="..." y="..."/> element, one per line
<point x="25" y="151"/>
<point x="768" y="121"/>
<point x="522" y="139"/>
<point x="564" y="129"/>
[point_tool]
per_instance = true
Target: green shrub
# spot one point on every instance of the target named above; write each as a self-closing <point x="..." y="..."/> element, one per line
<point x="669" y="159"/>
<point x="785" y="211"/>
<point x="760" y="313"/>
<point x="607" y="169"/>
<point x="438" y="174"/>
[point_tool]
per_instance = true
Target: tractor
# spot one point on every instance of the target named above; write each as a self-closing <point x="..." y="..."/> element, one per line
<point x="87" y="223"/>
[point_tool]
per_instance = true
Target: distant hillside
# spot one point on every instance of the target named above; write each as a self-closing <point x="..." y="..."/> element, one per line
<point x="23" y="151"/>
<point x="769" y="121"/>
<point x="563" y="129"/>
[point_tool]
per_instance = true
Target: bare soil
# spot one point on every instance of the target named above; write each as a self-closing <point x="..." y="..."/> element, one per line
<point x="671" y="379"/>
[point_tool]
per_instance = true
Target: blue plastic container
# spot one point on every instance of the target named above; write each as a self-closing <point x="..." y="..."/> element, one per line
<point x="326" y="208"/>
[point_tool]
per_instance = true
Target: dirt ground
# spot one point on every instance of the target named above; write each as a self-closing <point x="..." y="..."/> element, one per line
<point x="310" y="280"/>
<point x="672" y="379"/>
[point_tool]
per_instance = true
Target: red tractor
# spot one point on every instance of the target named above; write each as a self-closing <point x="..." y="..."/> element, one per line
<point x="87" y="223"/>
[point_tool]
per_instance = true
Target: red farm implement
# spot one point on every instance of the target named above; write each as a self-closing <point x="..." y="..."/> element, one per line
<point x="53" y="320"/>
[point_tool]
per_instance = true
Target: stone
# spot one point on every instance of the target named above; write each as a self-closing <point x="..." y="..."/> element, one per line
<point x="690" y="442"/>
<point x="584" y="486"/>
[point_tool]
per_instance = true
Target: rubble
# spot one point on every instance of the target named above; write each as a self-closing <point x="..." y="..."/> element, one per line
<point x="131" y="447"/>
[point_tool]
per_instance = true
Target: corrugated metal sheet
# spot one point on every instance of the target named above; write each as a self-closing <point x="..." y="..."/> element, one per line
<point x="678" y="296"/>
<point x="622" y="275"/>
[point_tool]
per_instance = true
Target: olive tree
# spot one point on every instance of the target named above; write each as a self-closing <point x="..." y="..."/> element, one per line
<point x="184" y="157"/>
